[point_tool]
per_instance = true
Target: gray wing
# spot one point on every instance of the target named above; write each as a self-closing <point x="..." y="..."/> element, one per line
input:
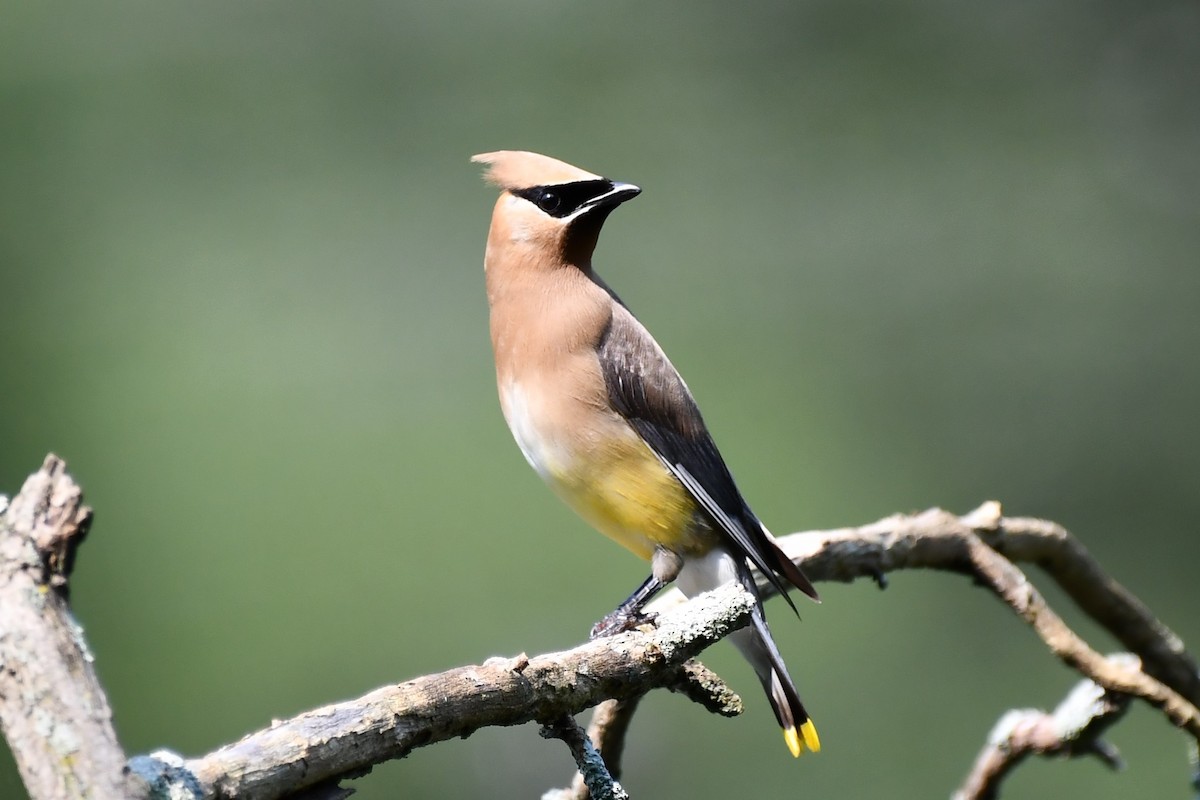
<point x="648" y="392"/>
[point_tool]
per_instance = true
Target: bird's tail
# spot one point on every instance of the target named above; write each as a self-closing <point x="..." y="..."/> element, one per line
<point x="757" y="646"/>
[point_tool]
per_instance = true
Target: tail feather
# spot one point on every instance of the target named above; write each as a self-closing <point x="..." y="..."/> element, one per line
<point x="758" y="647"/>
<point x="785" y="566"/>
<point x="755" y="644"/>
<point x="798" y="729"/>
<point x="795" y="576"/>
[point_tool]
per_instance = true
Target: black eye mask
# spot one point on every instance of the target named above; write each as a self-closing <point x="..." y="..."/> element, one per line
<point x="564" y="199"/>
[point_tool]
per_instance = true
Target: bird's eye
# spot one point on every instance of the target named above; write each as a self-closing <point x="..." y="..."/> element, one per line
<point x="561" y="200"/>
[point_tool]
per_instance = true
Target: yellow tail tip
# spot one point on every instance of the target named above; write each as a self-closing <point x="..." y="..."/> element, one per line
<point x="807" y="737"/>
<point x="809" y="732"/>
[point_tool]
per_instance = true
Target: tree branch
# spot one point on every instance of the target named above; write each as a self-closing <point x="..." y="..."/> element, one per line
<point x="52" y="708"/>
<point x="610" y="720"/>
<point x="1010" y="584"/>
<point x="606" y="731"/>
<point x="58" y="722"/>
<point x="979" y="544"/>
<point x="1073" y="729"/>
<point x="347" y="738"/>
<point x="599" y="783"/>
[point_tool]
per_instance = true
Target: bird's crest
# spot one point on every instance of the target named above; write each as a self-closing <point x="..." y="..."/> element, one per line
<point x="518" y="169"/>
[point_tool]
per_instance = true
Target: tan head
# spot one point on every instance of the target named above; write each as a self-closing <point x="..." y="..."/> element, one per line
<point x="549" y="212"/>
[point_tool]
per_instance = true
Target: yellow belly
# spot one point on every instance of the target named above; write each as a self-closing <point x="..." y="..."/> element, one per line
<point x="626" y="493"/>
<point x="607" y="474"/>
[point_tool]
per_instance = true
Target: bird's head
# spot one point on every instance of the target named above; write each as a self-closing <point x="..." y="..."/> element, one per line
<point x="548" y="206"/>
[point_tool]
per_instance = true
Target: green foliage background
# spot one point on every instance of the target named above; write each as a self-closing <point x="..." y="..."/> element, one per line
<point x="906" y="254"/>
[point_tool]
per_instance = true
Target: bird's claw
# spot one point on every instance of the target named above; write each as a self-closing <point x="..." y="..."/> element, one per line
<point x="620" y="621"/>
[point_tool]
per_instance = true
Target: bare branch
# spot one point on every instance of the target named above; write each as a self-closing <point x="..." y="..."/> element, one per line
<point x="1072" y="567"/>
<point x="973" y="545"/>
<point x="58" y="722"/>
<point x="1010" y="584"/>
<point x="349" y="737"/>
<point x="599" y="783"/>
<point x="607" y="730"/>
<point x="610" y="720"/>
<point x="52" y="708"/>
<point x="1073" y="730"/>
<point x="701" y="685"/>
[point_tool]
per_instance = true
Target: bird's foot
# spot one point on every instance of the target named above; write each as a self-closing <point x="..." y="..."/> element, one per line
<point x="620" y="621"/>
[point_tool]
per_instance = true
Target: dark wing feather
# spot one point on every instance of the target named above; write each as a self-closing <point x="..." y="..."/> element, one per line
<point x="648" y="392"/>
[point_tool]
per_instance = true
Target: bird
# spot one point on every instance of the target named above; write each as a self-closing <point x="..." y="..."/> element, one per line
<point x="602" y="415"/>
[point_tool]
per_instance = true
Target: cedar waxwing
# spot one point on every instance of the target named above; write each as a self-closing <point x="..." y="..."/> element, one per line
<point x="603" y="417"/>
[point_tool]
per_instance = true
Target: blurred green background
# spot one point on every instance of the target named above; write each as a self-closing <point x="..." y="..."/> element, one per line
<point x="913" y="254"/>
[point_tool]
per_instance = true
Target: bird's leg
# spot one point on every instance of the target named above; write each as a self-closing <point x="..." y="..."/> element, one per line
<point x="628" y="615"/>
<point x="664" y="566"/>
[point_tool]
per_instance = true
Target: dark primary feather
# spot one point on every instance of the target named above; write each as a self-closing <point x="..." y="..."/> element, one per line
<point x="648" y="392"/>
